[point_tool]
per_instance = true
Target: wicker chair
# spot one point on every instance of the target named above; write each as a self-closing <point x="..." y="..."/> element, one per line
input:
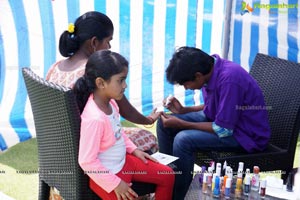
<point x="280" y="82"/>
<point x="57" y="124"/>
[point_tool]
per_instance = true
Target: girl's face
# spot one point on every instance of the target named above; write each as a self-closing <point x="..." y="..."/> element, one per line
<point x="115" y="87"/>
<point x="104" y="43"/>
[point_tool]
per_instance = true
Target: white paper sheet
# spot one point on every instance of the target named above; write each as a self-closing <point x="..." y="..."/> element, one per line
<point x="164" y="159"/>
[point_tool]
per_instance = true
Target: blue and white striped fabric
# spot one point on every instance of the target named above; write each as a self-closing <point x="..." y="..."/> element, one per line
<point x="146" y="32"/>
<point x="274" y="31"/>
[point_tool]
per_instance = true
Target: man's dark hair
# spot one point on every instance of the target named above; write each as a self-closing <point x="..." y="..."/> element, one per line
<point x="185" y="62"/>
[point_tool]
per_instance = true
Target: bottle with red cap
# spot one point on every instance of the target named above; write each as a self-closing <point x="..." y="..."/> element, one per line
<point x="255" y="179"/>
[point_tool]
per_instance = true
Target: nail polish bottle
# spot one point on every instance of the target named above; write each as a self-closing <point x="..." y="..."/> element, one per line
<point x="262" y="189"/>
<point x="238" y="190"/>
<point x="227" y="188"/>
<point x="203" y="169"/>
<point x="204" y="184"/>
<point x="213" y="181"/>
<point x="224" y="184"/>
<point x="247" y="185"/>
<point x="209" y="176"/>
<point x="216" y="191"/>
<point x="255" y="179"/>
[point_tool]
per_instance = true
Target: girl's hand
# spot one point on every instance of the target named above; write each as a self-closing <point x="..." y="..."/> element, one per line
<point x="173" y="105"/>
<point x="143" y="156"/>
<point x="123" y="191"/>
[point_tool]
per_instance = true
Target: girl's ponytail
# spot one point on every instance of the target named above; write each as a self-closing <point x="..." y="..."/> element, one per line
<point x="82" y="90"/>
<point x="68" y="44"/>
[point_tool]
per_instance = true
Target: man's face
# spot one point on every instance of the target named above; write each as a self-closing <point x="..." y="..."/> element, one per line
<point x="197" y="83"/>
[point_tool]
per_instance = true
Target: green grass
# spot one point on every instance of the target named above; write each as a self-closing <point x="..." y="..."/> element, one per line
<point x="23" y="157"/>
<point x="297" y="155"/>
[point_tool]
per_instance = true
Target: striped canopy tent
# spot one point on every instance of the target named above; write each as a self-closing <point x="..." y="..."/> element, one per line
<point x="146" y="32"/>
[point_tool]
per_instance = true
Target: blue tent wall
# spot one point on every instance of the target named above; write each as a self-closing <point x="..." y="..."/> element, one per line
<point x="272" y="28"/>
<point x="146" y="32"/>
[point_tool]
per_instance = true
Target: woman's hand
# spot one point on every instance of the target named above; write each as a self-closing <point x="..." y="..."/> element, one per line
<point x="143" y="156"/>
<point x="173" y="105"/>
<point x="123" y="191"/>
<point x="154" y="116"/>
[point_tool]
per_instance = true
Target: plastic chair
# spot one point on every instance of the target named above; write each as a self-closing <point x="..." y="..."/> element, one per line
<point x="279" y="80"/>
<point x="57" y="124"/>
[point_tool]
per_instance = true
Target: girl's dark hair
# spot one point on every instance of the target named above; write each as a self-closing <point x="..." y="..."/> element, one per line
<point x="104" y="64"/>
<point x="88" y="25"/>
<point x="185" y="62"/>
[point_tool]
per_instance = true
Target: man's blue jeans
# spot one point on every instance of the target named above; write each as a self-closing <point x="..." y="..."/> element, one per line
<point x="183" y="144"/>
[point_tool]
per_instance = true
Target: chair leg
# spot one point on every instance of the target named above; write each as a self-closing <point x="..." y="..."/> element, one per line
<point x="44" y="190"/>
<point x="284" y="176"/>
<point x="290" y="172"/>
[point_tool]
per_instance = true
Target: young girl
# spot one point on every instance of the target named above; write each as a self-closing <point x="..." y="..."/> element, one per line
<point x="109" y="158"/>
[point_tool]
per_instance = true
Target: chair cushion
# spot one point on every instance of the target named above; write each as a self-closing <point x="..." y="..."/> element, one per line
<point x="143" y="139"/>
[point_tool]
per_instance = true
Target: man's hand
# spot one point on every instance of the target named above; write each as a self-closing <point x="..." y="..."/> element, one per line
<point x="173" y="105"/>
<point x="171" y="121"/>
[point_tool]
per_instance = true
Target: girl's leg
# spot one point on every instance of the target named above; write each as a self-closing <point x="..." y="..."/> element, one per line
<point x="102" y="193"/>
<point x="161" y="175"/>
<point x="136" y="170"/>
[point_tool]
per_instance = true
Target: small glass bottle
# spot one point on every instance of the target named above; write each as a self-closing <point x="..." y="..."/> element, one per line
<point x="247" y="185"/>
<point x="224" y="184"/>
<point x="213" y="181"/>
<point x="204" y="184"/>
<point x="247" y="173"/>
<point x="203" y="169"/>
<point x="216" y="191"/>
<point x="239" y="180"/>
<point x="255" y="179"/>
<point x="238" y="190"/>
<point x="221" y="183"/>
<point x="209" y="176"/>
<point x="227" y="190"/>
<point x="262" y="189"/>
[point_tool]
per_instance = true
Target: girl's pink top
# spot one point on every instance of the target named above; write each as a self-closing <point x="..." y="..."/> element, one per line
<point x="96" y="136"/>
